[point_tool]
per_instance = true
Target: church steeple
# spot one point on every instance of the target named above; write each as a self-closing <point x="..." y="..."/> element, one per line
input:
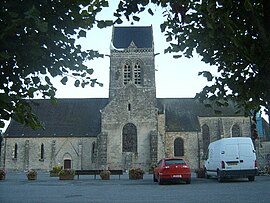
<point x="129" y="121"/>
<point x="132" y="59"/>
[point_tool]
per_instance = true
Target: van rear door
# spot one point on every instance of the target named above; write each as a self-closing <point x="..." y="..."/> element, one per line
<point x="231" y="156"/>
<point x="246" y="156"/>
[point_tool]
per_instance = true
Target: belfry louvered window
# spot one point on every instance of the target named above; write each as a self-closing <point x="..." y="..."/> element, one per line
<point x="127" y="73"/>
<point x="137" y="74"/>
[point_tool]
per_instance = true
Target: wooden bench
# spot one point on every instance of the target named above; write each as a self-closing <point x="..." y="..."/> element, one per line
<point x="96" y="172"/>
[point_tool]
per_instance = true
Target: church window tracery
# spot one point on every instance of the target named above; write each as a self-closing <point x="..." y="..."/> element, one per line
<point x="137" y="74"/>
<point x="132" y="73"/>
<point x="129" y="134"/>
<point x="127" y="73"/>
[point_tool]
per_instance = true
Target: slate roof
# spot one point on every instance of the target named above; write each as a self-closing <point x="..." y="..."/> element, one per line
<point x="181" y="114"/>
<point x="142" y="36"/>
<point x="81" y="117"/>
<point x="69" y="117"/>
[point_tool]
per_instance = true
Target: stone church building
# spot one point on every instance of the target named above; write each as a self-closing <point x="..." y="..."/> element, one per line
<point x="131" y="128"/>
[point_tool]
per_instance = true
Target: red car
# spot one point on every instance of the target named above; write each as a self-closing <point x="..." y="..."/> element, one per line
<point x="169" y="169"/>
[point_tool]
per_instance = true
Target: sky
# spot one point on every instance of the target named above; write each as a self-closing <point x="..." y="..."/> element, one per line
<point x="175" y="78"/>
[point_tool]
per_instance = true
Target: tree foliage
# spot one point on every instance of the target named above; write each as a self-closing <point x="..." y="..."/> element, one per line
<point x="37" y="42"/>
<point x="232" y="35"/>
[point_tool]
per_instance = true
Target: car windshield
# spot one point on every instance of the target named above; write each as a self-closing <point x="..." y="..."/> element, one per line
<point x="174" y="161"/>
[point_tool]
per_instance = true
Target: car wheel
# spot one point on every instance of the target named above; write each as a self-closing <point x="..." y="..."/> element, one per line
<point x="154" y="178"/>
<point x="251" y="178"/>
<point x="188" y="181"/>
<point x="219" y="178"/>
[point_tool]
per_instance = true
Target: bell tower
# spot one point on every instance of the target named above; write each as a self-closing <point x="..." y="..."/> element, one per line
<point x="132" y="60"/>
<point x="130" y="118"/>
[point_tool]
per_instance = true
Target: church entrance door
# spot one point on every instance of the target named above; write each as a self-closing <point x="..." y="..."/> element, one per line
<point x="67" y="164"/>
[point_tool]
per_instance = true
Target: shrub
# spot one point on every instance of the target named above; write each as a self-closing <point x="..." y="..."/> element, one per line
<point x="31" y="174"/>
<point x="67" y="172"/>
<point x="55" y="171"/>
<point x="105" y="175"/>
<point x="136" y="173"/>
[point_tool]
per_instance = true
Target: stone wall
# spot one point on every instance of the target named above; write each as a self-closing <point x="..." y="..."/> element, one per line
<point x="190" y="146"/>
<point x="131" y="104"/>
<point x="221" y="127"/>
<point x="56" y="150"/>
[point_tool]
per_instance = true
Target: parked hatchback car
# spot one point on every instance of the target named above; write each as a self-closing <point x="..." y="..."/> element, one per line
<point x="169" y="169"/>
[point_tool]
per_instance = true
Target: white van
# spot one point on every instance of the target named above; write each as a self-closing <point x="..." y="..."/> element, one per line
<point x="231" y="158"/>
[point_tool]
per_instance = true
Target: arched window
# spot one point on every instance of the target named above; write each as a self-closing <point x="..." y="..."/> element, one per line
<point x="137" y="74"/>
<point x="127" y="73"/>
<point x="129" y="138"/>
<point x="178" y="147"/>
<point x="15" y="151"/>
<point x="42" y="151"/>
<point x="205" y="137"/>
<point x="236" y="131"/>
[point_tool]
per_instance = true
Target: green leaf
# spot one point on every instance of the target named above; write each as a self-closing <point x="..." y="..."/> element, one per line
<point x="47" y="79"/>
<point x="206" y="74"/>
<point x="93" y="82"/>
<point x="163" y="27"/>
<point x="76" y="74"/>
<point x="36" y="80"/>
<point x="136" y="18"/>
<point x="177" y="56"/>
<point x="31" y="91"/>
<point x="118" y="21"/>
<point x="64" y="80"/>
<point x="150" y="11"/>
<point x="64" y="70"/>
<point x="101" y="24"/>
<point x="105" y="4"/>
<point x="77" y="83"/>
<point x="82" y="33"/>
<point x="117" y="15"/>
<point x="90" y="71"/>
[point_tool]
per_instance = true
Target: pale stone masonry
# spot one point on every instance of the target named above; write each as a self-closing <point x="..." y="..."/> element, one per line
<point x="131" y="128"/>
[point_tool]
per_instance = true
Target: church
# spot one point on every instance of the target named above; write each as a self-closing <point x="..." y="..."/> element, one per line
<point x="131" y="128"/>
